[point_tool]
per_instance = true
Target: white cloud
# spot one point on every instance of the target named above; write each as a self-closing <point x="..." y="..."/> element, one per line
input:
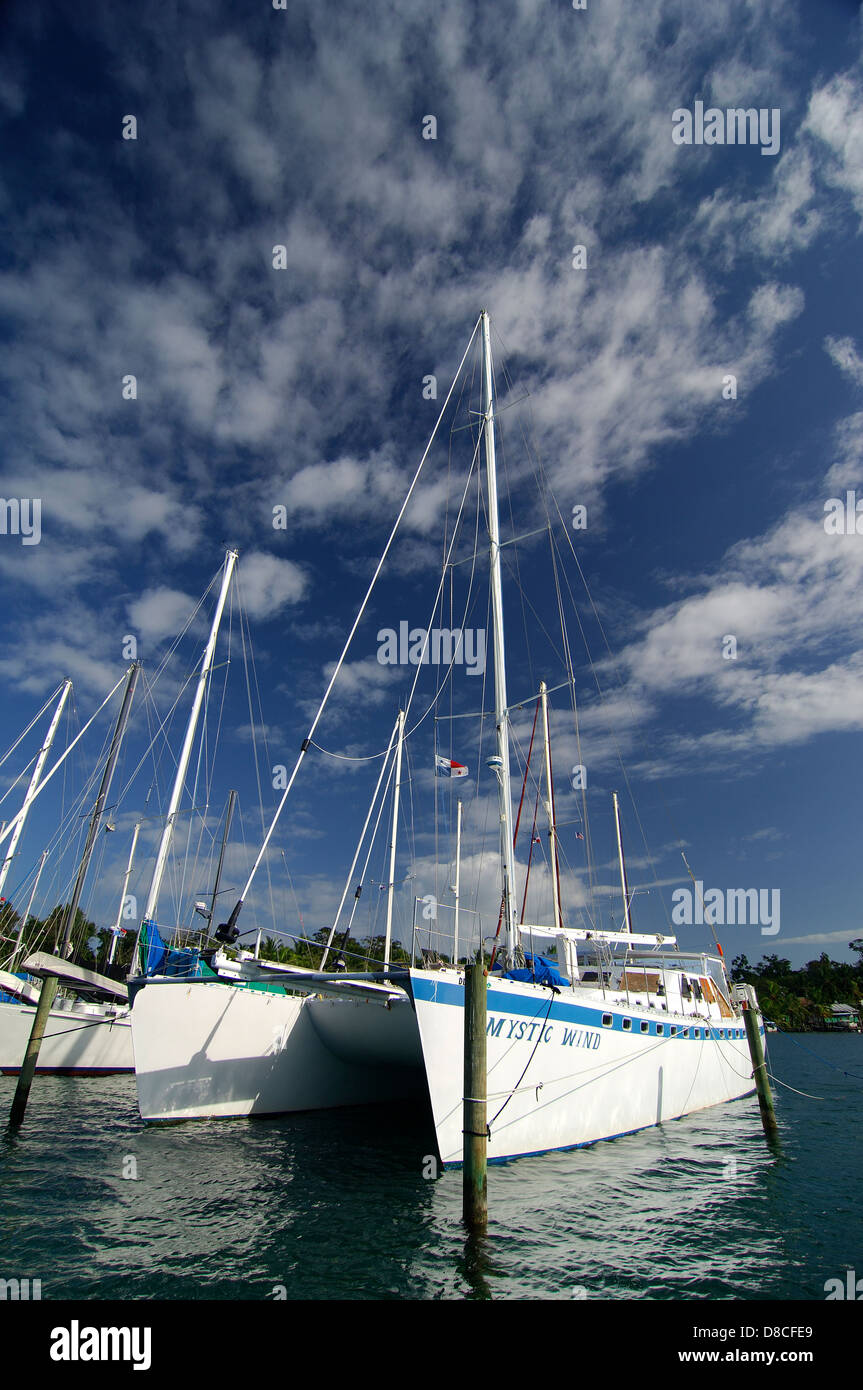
<point x="269" y="584"/>
<point x="843" y="352"/>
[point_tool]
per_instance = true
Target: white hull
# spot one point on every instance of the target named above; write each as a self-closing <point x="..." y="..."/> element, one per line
<point x="564" y="1078"/>
<point x="86" y="1040"/>
<point x="204" y="1050"/>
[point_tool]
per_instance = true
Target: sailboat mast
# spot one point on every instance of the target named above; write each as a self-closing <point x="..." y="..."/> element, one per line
<point x="182" y="765"/>
<point x="623" y="884"/>
<point x="34" y="784"/>
<point x="104" y="788"/>
<point x="26" y="918"/>
<point x="501" y="712"/>
<point x="391" y="884"/>
<point x="229" y="815"/>
<point x="116" y="932"/>
<point x="455" y="887"/>
<point x="549" y="807"/>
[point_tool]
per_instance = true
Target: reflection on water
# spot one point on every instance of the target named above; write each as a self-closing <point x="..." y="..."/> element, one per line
<point x="335" y="1205"/>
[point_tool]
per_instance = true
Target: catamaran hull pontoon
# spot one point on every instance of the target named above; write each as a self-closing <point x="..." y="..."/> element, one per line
<point x="561" y="1072"/>
<point x="79" y="1041"/>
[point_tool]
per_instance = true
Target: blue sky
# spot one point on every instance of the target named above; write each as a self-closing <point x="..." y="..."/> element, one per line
<point x="302" y="388"/>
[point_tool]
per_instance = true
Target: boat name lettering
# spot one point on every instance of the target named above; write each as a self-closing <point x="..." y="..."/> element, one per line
<point x="519" y="1029"/>
<point x="579" y="1037"/>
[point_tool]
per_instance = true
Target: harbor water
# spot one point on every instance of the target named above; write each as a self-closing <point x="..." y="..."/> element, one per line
<point x="345" y="1205"/>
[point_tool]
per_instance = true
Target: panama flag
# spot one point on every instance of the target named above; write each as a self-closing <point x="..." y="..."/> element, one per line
<point x="445" y="767"/>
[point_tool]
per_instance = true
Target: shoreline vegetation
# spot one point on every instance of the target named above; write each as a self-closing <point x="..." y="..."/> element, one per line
<point x="803" y="1000"/>
<point x="799" y="1001"/>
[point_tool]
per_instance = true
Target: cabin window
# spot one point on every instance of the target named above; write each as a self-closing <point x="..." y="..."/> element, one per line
<point x="686" y="1032"/>
<point x="660" y="1027"/>
<point x="685" y="989"/>
<point x="627" y="1025"/>
<point x="606" y="1020"/>
<point x="673" y="1031"/>
<point x="645" y="1026"/>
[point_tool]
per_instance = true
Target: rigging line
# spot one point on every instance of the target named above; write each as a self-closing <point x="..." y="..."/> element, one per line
<point x="420" y="663"/>
<point x="624" y="691"/>
<point x="793" y="1088"/>
<point x="514" y="542"/>
<point x="51" y="700"/>
<point x="356" y="624"/>
<point x="21" y="775"/>
<point x="47" y="778"/>
<point x="350" y="876"/>
<point x="249" y="662"/>
<point x="613" y="731"/>
<point x="355" y="904"/>
<point x="817" y="1055"/>
<point x="150" y="704"/>
<point x="552" y="992"/>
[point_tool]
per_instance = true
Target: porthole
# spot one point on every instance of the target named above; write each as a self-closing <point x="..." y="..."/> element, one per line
<point x="607" y="1020"/>
<point x="660" y="1027"/>
<point x="673" y="1031"/>
<point x="627" y="1025"/>
<point x="645" y="1026"/>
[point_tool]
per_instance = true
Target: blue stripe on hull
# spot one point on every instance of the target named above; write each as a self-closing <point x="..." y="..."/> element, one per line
<point x="442" y="992"/>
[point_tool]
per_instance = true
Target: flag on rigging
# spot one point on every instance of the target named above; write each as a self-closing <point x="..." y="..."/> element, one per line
<point x="445" y="767"/>
<point x="578" y="835"/>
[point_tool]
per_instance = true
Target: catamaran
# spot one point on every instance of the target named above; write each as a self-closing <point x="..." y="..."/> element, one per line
<point x="619" y="1031"/>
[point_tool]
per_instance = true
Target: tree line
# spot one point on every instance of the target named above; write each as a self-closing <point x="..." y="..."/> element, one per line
<point x="799" y="999"/>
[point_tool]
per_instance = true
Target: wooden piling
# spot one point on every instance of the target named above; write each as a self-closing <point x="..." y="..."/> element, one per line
<point x="51" y="983"/>
<point x="751" y="1018"/>
<point x="47" y="996"/>
<point x="474" y="1180"/>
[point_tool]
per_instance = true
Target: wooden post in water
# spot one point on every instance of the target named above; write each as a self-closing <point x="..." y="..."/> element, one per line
<point x="474" y="1181"/>
<point x="751" y="1016"/>
<point x="50" y="983"/>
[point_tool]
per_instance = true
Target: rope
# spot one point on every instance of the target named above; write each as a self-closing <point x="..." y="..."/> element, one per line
<point x="792" y="1088"/>
<point x="552" y="993"/>
<point x="817" y="1055"/>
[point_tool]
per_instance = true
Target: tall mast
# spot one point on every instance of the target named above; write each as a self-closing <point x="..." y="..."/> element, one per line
<point x="116" y="932"/>
<point x="107" y="775"/>
<point x="229" y="814"/>
<point x="179" y="779"/>
<point x="391" y="884"/>
<point x="455" y="887"/>
<point x="549" y="807"/>
<point x="34" y="783"/>
<point x="50" y="983"/>
<point x="20" y="946"/>
<point x="623" y="884"/>
<point x="501" y="712"/>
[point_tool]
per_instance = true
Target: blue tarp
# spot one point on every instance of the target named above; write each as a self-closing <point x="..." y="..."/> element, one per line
<point x="160" y="959"/>
<point x="539" y="970"/>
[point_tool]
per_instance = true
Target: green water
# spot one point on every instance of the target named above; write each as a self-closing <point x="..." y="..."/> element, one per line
<point x="336" y="1205"/>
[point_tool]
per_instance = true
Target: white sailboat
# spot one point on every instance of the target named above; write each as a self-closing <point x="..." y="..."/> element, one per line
<point x="89" y="1028"/>
<point x="623" y="1033"/>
